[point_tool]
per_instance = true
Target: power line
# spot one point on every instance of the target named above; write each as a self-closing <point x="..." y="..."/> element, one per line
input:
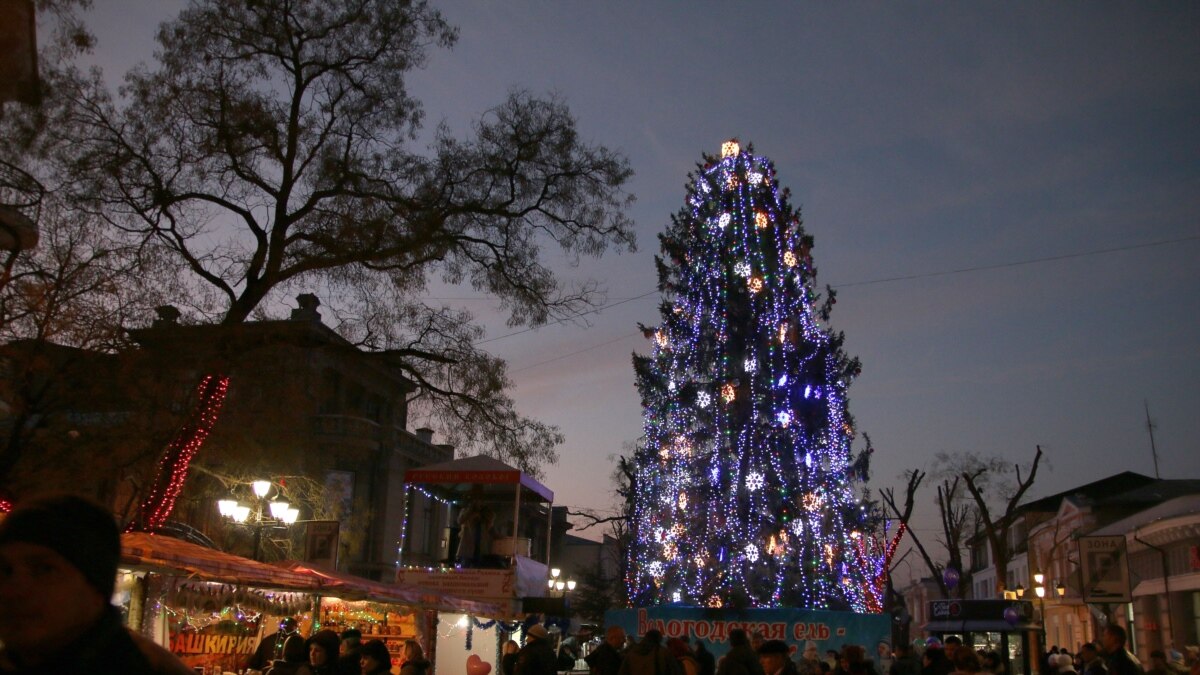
<point x="568" y="318"/>
<point x="1019" y="263"/>
<point x="585" y="349"/>
<point x="883" y="280"/>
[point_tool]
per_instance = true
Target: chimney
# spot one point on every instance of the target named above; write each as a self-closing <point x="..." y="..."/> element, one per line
<point x="447" y="447"/>
<point x="307" y="310"/>
<point x="168" y="315"/>
<point x="425" y="434"/>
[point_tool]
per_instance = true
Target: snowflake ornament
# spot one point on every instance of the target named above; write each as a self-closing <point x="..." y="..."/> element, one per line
<point x="751" y="553"/>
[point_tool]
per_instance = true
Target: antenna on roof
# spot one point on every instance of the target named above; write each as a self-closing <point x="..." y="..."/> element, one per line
<point x="1150" y="430"/>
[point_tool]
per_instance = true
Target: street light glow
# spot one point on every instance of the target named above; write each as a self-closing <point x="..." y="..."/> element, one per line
<point x="261" y="488"/>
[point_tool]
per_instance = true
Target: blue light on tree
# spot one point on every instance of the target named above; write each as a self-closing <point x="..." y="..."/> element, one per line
<point x="745" y="489"/>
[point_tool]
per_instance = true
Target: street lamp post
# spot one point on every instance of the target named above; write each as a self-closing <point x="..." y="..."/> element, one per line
<point x="279" y="514"/>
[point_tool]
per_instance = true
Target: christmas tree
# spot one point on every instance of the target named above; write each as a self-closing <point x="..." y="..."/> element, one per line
<point x="746" y="494"/>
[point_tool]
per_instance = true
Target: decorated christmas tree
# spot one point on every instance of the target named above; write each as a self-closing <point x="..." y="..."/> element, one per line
<point x="746" y="493"/>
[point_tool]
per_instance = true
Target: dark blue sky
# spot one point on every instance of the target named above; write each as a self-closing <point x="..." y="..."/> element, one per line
<point x="918" y="138"/>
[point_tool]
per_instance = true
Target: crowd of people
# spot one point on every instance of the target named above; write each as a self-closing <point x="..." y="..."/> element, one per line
<point x="58" y="564"/>
<point x="328" y="653"/>
<point x="1107" y="657"/>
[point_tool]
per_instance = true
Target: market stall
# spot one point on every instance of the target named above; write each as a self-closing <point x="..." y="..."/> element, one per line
<point x="213" y="609"/>
<point x="497" y="549"/>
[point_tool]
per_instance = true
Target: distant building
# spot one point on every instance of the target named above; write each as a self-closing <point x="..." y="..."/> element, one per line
<point x="1160" y="520"/>
<point x="302" y="401"/>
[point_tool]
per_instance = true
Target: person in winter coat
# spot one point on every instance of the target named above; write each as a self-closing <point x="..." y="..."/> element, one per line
<point x="683" y="654"/>
<point x="1092" y="663"/>
<point x="374" y="659"/>
<point x="537" y="656"/>
<point x="415" y="662"/>
<point x="649" y="657"/>
<point x="508" y="658"/>
<point x="708" y="663"/>
<point x="58" y="568"/>
<point x="351" y="647"/>
<point x="322" y="653"/>
<point x="295" y="655"/>
<point x="905" y="662"/>
<point x="606" y="659"/>
<point x="1116" y="657"/>
<point x="740" y="659"/>
<point x="775" y="658"/>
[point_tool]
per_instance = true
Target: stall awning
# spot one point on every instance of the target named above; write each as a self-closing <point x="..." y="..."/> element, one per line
<point x="478" y="470"/>
<point x="168" y="555"/>
<point x="349" y="587"/>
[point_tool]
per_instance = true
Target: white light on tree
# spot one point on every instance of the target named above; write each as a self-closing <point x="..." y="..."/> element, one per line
<point x="751" y="553"/>
<point x="655" y="569"/>
<point x="703" y="399"/>
<point x="750" y="365"/>
<point x="741" y="268"/>
<point x="723" y="221"/>
<point x="730" y="148"/>
<point x="754" y="481"/>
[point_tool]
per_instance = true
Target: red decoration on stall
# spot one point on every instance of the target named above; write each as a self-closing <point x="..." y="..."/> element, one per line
<point x="173" y="468"/>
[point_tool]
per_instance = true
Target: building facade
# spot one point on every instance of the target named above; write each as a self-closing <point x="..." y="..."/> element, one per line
<point x="309" y="411"/>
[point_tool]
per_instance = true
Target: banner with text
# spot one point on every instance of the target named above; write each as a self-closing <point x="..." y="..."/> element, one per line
<point x="827" y="630"/>
<point x="486" y="585"/>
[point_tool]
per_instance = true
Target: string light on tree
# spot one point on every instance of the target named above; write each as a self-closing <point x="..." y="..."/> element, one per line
<point x="774" y="461"/>
<point x="173" y="468"/>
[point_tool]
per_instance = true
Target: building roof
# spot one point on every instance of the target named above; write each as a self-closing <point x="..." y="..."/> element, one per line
<point x="1115" y="484"/>
<point x="1154" y="493"/>
<point x="1183" y="505"/>
<point x="478" y="470"/>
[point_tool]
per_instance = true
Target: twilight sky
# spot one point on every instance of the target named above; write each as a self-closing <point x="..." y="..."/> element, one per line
<point x="919" y="138"/>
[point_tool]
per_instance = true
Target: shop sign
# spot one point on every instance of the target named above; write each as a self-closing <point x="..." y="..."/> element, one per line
<point x="1104" y="569"/>
<point x="469" y="584"/>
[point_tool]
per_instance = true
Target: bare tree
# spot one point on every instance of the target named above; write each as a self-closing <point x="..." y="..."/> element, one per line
<point x="267" y="150"/>
<point x="956" y="526"/>
<point x="997" y="527"/>
<point x="64" y="304"/>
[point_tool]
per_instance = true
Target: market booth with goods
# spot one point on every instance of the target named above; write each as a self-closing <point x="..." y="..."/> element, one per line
<point x="224" y="613"/>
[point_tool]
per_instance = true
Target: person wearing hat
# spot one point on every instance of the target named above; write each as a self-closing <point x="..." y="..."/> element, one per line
<point x="374" y="658"/>
<point x="270" y="648"/>
<point x="58" y="568"/>
<point x="740" y="659"/>
<point x="775" y="658"/>
<point x="322" y="653"/>
<point x="537" y="656"/>
<point x="351" y="649"/>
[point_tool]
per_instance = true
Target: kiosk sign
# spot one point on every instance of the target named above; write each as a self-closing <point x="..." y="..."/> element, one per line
<point x="1104" y="569"/>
